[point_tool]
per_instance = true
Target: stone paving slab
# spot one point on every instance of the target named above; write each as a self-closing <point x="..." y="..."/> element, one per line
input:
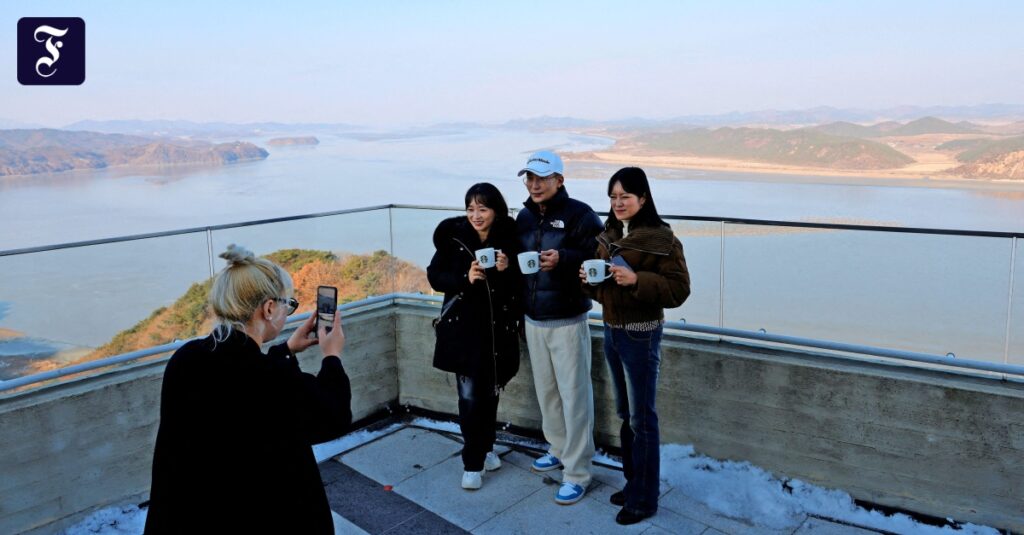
<point x="343" y="527"/>
<point x="668" y="521"/>
<point x="539" y="514"/>
<point x="439" y="489"/>
<point x="366" y="504"/>
<point x="425" y="470"/>
<point x="401" y="455"/>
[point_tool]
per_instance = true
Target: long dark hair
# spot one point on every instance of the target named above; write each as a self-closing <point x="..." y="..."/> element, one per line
<point x="634" y="180"/>
<point x="486" y="194"/>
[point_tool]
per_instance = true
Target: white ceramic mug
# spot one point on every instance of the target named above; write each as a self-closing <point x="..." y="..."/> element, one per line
<point x="486" y="257"/>
<point x="529" y="262"/>
<point x="595" y="270"/>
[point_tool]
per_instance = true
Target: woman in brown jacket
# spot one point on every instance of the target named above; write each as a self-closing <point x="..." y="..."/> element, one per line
<point x="648" y="275"/>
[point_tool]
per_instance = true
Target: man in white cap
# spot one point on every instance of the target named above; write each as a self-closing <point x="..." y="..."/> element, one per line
<point x="564" y="231"/>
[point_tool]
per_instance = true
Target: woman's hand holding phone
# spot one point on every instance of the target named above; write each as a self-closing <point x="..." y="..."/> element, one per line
<point x="300" y="341"/>
<point x="331" y="343"/>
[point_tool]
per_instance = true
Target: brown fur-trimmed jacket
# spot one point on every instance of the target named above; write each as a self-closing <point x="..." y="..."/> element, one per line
<point x="663" y="281"/>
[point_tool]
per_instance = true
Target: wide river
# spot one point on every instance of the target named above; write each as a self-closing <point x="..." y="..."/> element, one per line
<point x="928" y="293"/>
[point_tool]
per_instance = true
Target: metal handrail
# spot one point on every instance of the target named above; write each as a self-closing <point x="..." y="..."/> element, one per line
<point x="167" y="348"/>
<point x="711" y="219"/>
<point x="720" y="330"/>
<point x="393" y="298"/>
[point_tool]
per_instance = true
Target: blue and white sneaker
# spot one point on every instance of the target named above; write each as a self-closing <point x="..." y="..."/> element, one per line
<point x="569" y="494"/>
<point x="546" y="462"/>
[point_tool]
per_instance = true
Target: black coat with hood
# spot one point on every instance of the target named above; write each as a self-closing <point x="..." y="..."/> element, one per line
<point x="233" y="448"/>
<point x="478" y="331"/>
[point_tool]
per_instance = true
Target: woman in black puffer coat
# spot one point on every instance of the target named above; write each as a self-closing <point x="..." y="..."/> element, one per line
<point x="478" y="330"/>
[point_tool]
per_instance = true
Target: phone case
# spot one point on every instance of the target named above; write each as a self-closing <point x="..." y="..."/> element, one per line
<point x="621" y="262"/>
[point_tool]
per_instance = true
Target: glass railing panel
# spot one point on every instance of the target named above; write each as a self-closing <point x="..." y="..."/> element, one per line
<point x="68" y="306"/>
<point x="935" y="294"/>
<point x="351" y="251"/>
<point x="1016" y="346"/>
<point x="702" y="246"/>
<point x="413" y="239"/>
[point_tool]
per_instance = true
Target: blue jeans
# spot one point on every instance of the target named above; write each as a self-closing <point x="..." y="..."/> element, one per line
<point x="634" y="358"/>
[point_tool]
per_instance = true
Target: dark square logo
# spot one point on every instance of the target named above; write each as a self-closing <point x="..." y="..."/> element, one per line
<point x="51" y="51"/>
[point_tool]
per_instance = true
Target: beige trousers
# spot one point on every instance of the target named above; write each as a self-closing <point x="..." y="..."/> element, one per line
<point x="560" y="357"/>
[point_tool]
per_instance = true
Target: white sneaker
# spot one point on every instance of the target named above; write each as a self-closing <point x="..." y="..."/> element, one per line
<point x="471" y="480"/>
<point x="492" y="462"/>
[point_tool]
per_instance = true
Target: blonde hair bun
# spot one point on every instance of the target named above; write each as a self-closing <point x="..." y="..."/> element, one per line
<point x="236" y="255"/>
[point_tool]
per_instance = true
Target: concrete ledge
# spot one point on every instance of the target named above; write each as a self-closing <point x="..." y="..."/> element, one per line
<point x="936" y="442"/>
<point x="71" y="448"/>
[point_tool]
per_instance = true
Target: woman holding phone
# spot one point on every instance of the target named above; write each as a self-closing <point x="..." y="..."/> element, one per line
<point x="478" y="329"/>
<point x="236" y="424"/>
<point x="648" y="275"/>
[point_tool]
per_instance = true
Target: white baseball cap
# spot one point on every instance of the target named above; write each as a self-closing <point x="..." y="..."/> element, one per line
<point x="543" y="163"/>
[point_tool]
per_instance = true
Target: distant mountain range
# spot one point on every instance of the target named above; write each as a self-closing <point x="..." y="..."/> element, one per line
<point x="164" y="128"/>
<point x="924" y="125"/>
<point x="26" y="152"/>
<point x="804" y="147"/>
<point x="290" y="141"/>
<point x="812" y="116"/>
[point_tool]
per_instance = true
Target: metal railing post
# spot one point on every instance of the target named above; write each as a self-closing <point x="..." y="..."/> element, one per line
<point x="721" y="275"/>
<point x="209" y="250"/>
<point x="391" y="249"/>
<point x="1009" y="300"/>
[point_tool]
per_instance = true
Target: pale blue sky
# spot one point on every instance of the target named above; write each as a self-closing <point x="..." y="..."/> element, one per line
<point x="405" y="62"/>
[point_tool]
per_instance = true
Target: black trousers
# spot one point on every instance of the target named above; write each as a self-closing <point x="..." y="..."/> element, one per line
<point x="478" y="412"/>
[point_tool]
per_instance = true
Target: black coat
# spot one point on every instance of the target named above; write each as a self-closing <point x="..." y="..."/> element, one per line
<point x="478" y="335"/>
<point x="571" y="227"/>
<point x="233" y="450"/>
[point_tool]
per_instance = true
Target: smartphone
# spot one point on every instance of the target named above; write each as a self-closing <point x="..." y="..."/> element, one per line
<point x="326" y="306"/>
<point x="621" y="262"/>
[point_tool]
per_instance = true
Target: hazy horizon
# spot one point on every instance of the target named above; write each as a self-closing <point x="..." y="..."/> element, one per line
<point x="407" y="63"/>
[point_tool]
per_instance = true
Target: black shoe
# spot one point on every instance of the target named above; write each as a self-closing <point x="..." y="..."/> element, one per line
<point x="629" y="516"/>
<point x="619" y="498"/>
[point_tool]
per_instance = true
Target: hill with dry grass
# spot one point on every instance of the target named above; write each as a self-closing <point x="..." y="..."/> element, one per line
<point x="355" y="276"/>
<point x="804" y="147"/>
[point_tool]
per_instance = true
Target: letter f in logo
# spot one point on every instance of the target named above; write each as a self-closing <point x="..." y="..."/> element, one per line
<point x="51" y="51"/>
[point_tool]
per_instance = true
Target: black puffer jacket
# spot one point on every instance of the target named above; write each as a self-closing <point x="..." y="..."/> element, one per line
<point x="571" y="227"/>
<point x="478" y="333"/>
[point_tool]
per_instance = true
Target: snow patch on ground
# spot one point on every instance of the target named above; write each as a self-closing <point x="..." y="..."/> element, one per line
<point x="350" y="441"/>
<point x="743" y="491"/>
<point x="122" y="520"/>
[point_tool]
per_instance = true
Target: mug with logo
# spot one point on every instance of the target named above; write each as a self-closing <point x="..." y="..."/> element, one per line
<point x="529" y="262"/>
<point x="596" y="270"/>
<point x="486" y="257"/>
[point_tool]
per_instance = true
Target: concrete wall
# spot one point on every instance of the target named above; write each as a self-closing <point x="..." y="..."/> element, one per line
<point x="938" y="443"/>
<point x="70" y="448"/>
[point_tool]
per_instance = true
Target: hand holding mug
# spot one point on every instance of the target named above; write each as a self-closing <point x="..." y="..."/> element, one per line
<point x="593" y="271"/>
<point x="476" y="272"/>
<point x="548" y="259"/>
<point x="502" y="260"/>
